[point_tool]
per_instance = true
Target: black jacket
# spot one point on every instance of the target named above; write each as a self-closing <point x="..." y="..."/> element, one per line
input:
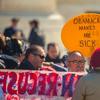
<point x="35" y="39"/>
<point x="26" y="65"/>
<point x="56" y="60"/>
<point x="9" y="61"/>
<point x="8" y="32"/>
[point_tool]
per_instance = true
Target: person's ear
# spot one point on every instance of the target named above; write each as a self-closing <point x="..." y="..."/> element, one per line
<point x="31" y="56"/>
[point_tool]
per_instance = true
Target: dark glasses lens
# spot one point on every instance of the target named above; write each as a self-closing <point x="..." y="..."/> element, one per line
<point x="42" y="57"/>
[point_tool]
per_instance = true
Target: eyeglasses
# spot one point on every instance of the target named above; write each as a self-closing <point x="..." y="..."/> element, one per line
<point x="42" y="57"/>
<point x="78" y="62"/>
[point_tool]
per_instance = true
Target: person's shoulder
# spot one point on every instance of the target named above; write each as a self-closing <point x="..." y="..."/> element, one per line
<point x="7" y="28"/>
<point x="87" y="77"/>
<point x="22" y="65"/>
<point x="9" y="61"/>
<point x="25" y="64"/>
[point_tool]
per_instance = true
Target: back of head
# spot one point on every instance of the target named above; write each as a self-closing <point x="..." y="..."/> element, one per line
<point x="35" y="23"/>
<point x="13" y="47"/>
<point x="14" y="20"/>
<point x="95" y="59"/>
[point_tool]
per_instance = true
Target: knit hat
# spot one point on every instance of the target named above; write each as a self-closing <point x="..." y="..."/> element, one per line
<point x="95" y="59"/>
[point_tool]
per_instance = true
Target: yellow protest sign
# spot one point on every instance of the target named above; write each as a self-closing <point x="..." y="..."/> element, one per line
<point x="82" y="33"/>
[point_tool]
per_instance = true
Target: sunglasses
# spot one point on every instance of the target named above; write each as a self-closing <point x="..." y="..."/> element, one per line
<point x="42" y="57"/>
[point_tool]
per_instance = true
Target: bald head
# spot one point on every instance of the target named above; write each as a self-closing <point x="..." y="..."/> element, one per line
<point x="76" y="62"/>
<point x="74" y="54"/>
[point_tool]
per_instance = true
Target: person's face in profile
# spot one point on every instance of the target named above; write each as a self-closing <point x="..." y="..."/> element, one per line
<point x="38" y="58"/>
<point x="76" y="63"/>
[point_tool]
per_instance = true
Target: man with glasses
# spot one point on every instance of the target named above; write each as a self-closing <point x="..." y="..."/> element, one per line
<point x="34" y="58"/>
<point x="75" y="62"/>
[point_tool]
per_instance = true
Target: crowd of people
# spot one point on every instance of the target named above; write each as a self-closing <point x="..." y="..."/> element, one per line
<point x="33" y="57"/>
<point x="18" y="53"/>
